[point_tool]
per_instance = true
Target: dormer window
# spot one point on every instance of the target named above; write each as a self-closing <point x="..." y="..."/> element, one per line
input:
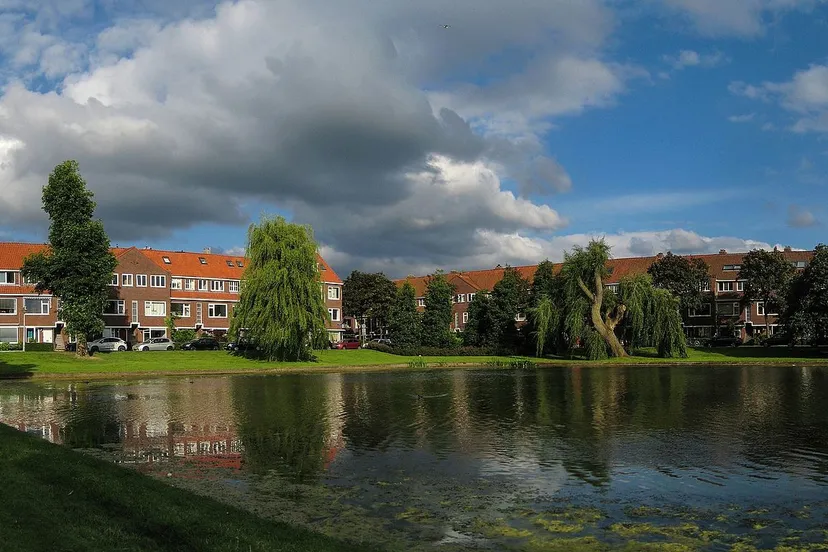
<point x="229" y="263"/>
<point x="166" y="260"/>
<point x="202" y="260"/>
<point x="239" y="264"/>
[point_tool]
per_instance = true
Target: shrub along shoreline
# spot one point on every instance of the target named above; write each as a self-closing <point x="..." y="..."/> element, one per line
<point x="39" y="365"/>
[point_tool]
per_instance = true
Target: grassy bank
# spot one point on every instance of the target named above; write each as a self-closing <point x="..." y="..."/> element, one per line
<point x="45" y="365"/>
<point x="57" y="499"/>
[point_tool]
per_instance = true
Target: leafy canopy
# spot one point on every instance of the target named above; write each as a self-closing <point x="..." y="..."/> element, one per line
<point x="437" y="317"/>
<point x="78" y="265"/>
<point x="686" y="278"/>
<point x="767" y="276"/>
<point x="404" y="320"/>
<point x="806" y="312"/>
<point x="280" y="305"/>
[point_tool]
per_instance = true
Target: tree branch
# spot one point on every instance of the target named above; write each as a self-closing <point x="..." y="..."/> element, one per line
<point x="613" y="321"/>
<point x="583" y="286"/>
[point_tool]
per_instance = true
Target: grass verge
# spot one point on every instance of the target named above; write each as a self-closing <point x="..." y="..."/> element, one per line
<point x="57" y="499"/>
<point x="51" y="365"/>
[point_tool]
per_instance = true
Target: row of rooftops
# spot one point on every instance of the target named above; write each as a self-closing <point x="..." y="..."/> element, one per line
<point x="722" y="266"/>
<point x="186" y="264"/>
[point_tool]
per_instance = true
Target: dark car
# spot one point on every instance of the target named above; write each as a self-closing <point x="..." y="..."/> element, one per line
<point x="724" y="341"/>
<point x="347" y="343"/>
<point x="202" y="344"/>
<point x="241" y="345"/>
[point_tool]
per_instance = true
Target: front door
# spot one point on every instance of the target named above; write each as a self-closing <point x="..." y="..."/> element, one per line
<point x="47" y="336"/>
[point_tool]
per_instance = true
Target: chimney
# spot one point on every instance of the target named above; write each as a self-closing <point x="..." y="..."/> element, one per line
<point x="788" y="249"/>
<point x="208" y="250"/>
<point x="147" y="247"/>
<point x="722" y="251"/>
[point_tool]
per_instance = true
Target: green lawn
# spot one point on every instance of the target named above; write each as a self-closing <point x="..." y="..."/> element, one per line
<point x="40" y="364"/>
<point x="57" y="499"/>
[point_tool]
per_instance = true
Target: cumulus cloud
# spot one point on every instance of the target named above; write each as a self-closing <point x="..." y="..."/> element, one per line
<point x="743" y="18"/>
<point x="800" y="218"/>
<point x="691" y="58"/>
<point x="746" y="118"/>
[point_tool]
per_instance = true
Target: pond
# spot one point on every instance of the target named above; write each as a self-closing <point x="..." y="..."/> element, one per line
<point x="700" y="458"/>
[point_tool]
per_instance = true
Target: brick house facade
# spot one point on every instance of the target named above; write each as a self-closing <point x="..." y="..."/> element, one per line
<point x="202" y="289"/>
<point x="725" y="292"/>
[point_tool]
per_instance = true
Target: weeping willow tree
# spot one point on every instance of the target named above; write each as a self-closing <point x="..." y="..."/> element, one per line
<point x="280" y="305"/>
<point x="590" y="315"/>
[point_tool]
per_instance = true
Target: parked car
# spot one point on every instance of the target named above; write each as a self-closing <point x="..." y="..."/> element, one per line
<point x="156" y="344"/>
<point x="724" y="341"/>
<point x="202" y="344"/>
<point x="242" y="344"/>
<point x="106" y="344"/>
<point x="381" y="341"/>
<point x="348" y="343"/>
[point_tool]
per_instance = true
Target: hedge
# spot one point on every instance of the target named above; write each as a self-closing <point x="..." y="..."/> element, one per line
<point x="431" y="351"/>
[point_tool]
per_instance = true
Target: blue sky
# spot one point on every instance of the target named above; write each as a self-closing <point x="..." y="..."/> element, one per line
<point x="518" y="132"/>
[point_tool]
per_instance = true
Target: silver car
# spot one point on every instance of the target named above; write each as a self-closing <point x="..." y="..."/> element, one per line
<point x="156" y="344"/>
<point x="107" y="344"/>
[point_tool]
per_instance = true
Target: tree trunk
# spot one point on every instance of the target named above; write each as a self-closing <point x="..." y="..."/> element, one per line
<point x="605" y="330"/>
<point x="81" y="350"/>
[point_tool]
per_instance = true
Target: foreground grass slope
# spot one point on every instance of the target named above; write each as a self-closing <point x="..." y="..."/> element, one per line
<point x="57" y="499"/>
<point x="192" y="362"/>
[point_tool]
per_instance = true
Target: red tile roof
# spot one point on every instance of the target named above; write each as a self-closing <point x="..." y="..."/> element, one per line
<point x="182" y="263"/>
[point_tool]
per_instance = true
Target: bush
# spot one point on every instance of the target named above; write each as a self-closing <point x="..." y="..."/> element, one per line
<point x="183" y="336"/>
<point x="4" y="346"/>
<point x="430" y="351"/>
<point x="38" y="347"/>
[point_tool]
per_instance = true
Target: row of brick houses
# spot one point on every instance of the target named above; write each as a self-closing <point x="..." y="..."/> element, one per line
<point x="147" y="285"/>
<point x="725" y="288"/>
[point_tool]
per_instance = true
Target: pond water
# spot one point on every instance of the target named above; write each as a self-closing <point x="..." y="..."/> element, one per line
<point x="701" y="458"/>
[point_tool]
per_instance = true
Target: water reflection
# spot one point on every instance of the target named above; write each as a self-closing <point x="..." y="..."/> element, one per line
<point x="695" y="435"/>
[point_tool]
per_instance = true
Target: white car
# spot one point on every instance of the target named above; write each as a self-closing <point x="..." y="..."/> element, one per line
<point x="156" y="344"/>
<point x="107" y="344"/>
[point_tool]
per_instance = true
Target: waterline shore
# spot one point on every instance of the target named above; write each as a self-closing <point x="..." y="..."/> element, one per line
<point x="39" y="365"/>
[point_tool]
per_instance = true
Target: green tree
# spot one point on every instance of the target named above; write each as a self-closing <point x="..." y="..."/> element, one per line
<point x="544" y="316"/>
<point x="684" y="277"/>
<point x="78" y="265"/>
<point x="368" y="297"/>
<point x="404" y="320"/>
<point x="280" y="307"/>
<point x="436" y="330"/>
<point x="510" y="297"/>
<point x="767" y="276"/>
<point x="477" y="332"/>
<point x="806" y="309"/>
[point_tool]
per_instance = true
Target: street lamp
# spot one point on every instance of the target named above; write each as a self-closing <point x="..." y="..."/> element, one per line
<point x="24" y="326"/>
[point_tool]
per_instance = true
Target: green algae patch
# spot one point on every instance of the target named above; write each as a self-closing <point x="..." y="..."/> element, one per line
<point x="557" y="526"/>
<point x="499" y="528"/>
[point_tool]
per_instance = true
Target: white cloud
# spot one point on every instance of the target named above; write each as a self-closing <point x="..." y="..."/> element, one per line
<point x="691" y="58"/>
<point x="799" y="217"/>
<point x="746" y="118"/>
<point x="745" y="18"/>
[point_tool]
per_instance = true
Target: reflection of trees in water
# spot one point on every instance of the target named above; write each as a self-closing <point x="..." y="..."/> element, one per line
<point x="282" y="422"/>
<point x="89" y="419"/>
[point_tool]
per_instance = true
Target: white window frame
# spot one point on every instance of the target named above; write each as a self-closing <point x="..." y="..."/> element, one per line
<point x="120" y="308"/>
<point x="126" y="280"/>
<point x="520" y="317"/>
<point x="333" y="293"/>
<point x="470" y="296"/>
<point x="140" y="280"/>
<point x="16" y="334"/>
<point x="421" y="302"/>
<point x="334" y="314"/>
<point x="233" y="286"/>
<point x="203" y="285"/>
<point x="217" y="285"/>
<point x="211" y="310"/>
<point x="6" y="281"/>
<point x="705" y="286"/>
<point x="115" y="280"/>
<point x="720" y="285"/>
<point x="466" y="317"/>
<point x="158" y="281"/>
<point x="149" y="308"/>
<point x="740" y="285"/>
<point x="166" y="260"/>
<point x="760" y="309"/>
<point x="176" y="283"/>
<point x="693" y="313"/>
<point x="14" y="300"/>
<point x="43" y="302"/>
<point x="185" y="309"/>
<point x="189" y="284"/>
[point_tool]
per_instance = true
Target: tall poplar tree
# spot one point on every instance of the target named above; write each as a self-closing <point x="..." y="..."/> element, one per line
<point x="404" y="320"/>
<point x="78" y="265"/>
<point x="436" y="330"/>
<point x="280" y="305"/>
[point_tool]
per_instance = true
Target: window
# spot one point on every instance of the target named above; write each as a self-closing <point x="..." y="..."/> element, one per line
<point x="612" y="287"/>
<point x="141" y="280"/>
<point x="520" y="317"/>
<point x="203" y="285"/>
<point x="152" y="334"/>
<point x="217" y="285"/>
<point x="465" y="317"/>
<point x="155" y="308"/>
<point x="175" y="283"/>
<point x="705" y="286"/>
<point x="114" y="281"/>
<point x="233" y="287"/>
<point x="333" y="292"/>
<point x="6" y="277"/>
<point x="114" y="307"/>
<point x="8" y="335"/>
<point x="189" y="284"/>
<point x="760" y="309"/>
<point x="202" y="260"/>
<point x="229" y="263"/>
<point x="740" y="286"/>
<point x="8" y="305"/>
<point x="725" y="286"/>
<point x="217" y="311"/>
<point x="334" y="314"/>
<point x="421" y="302"/>
<point x="470" y="297"/>
<point x="180" y="309"/>
<point x="732" y="267"/>
<point x="166" y="260"/>
<point x="461" y="298"/>
<point x="729" y="309"/>
<point x="800" y="264"/>
<point x="37" y="306"/>
<point x="126" y="280"/>
<point x="456" y="319"/>
<point x="239" y="264"/>
<point x="703" y="310"/>
<point x="158" y="281"/>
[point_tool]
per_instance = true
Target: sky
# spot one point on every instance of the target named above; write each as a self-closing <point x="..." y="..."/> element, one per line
<point x="517" y="132"/>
